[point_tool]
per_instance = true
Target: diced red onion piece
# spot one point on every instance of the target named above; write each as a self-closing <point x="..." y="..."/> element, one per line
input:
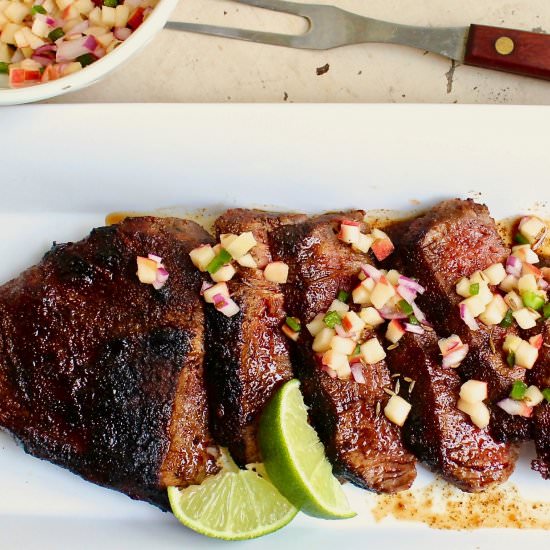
<point x="342" y="332"/>
<point x="453" y="358"/>
<point x="468" y="318"/>
<point x="543" y="284"/>
<point x="51" y="22"/>
<point x="45" y="49"/>
<point x="122" y="33"/>
<point x="162" y="275"/>
<point x="515" y="408"/>
<point x="419" y="314"/>
<point x="357" y="373"/>
<point x="155" y="258"/>
<point x="205" y="286"/>
<point x="407" y="293"/>
<point x="100" y="52"/>
<point x="411" y="283"/>
<point x="390" y="313"/>
<point x="513" y="266"/>
<point x="415" y="329"/>
<point x="67" y="50"/>
<point x="372" y="272"/>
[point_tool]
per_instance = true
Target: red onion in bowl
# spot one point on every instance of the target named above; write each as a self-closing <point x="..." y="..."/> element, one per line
<point x="513" y="266"/>
<point x="68" y="50"/>
<point x="122" y="33"/>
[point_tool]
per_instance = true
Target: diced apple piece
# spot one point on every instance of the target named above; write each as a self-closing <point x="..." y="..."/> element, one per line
<point x="146" y="270"/>
<point x="360" y="295"/>
<point x="342" y="345"/>
<point x="526" y="318"/>
<point x="530" y="269"/>
<point x="122" y="13"/>
<point x="478" y="412"/>
<point x="509" y="283"/>
<point x="495" y="311"/>
<point x="527" y="283"/>
<point x="495" y="273"/>
<point x="317" y="325"/>
<point x="382" y="292"/>
<point x="16" y="12"/>
<point x="473" y="391"/>
<point x="526" y="355"/>
<point x="382" y="248"/>
<point x="276" y="272"/>
<point x="5" y="54"/>
<point x="247" y="261"/>
<point x="8" y="33"/>
<point x="463" y="287"/>
<point x="323" y="339"/>
<point x="21" y="39"/>
<point x="292" y="334"/>
<point x="84" y="6"/>
<point x="536" y="341"/>
<point x="525" y="254"/>
<point x="515" y="408"/>
<point x="397" y="410"/>
<point x="371" y="316"/>
<point x="485" y="295"/>
<point x="335" y="360"/>
<point x="511" y="343"/>
<point x="243" y="244"/>
<point x="393" y="277"/>
<point x="353" y="323"/>
<point x="447" y="345"/>
<point x="372" y="352"/>
<point x="226" y="239"/>
<point x="202" y="256"/>
<point x="513" y="300"/>
<point x="532" y="228"/>
<point x="224" y="274"/>
<point x="349" y="232"/>
<point x="363" y="243"/>
<point x="344" y="371"/>
<point x="474" y="305"/>
<point x="108" y="16"/>
<point x="94" y="17"/>
<point x="395" y="331"/>
<point x="340" y="307"/>
<point x="219" y="288"/>
<point x="105" y="39"/>
<point x="533" y="396"/>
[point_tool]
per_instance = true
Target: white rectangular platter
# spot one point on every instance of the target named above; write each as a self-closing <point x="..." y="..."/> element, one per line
<point x="63" y="168"/>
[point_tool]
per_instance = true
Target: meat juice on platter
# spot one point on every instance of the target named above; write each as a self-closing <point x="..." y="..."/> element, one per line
<point x="426" y="341"/>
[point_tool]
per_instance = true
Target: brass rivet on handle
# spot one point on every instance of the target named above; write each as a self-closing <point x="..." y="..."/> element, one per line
<point x="504" y="45"/>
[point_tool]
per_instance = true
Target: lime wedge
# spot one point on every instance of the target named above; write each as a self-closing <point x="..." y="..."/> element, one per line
<point x="295" y="460"/>
<point x="232" y="505"/>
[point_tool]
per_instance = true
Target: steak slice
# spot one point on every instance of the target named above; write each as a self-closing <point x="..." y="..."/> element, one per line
<point x="453" y="240"/>
<point x="247" y="355"/>
<point x="102" y="374"/>
<point x="438" y="433"/>
<point x="540" y="377"/>
<point x="362" y="444"/>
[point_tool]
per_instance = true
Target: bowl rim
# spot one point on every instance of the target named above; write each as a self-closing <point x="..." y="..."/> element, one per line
<point x="100" y="68"/>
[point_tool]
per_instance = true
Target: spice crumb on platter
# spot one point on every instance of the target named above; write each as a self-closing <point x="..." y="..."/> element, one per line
<point x="441" y="506"/>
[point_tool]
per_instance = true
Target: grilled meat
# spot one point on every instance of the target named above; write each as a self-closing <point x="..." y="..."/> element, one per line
<point x="438" y="433"/>
<point x="102" y="374"/>
<point x="363" y="446"/>
<point x="540" y="377"/>
<point x="453" y="240"/>
<point x="247" y="355"/>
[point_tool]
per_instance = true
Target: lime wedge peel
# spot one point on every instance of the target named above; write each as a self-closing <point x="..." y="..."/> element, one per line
<point x="295" y="460"/>
<point x="232" y="506"/>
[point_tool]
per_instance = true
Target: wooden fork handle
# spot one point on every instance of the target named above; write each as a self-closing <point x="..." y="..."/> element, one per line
<point x="512" y="51"/>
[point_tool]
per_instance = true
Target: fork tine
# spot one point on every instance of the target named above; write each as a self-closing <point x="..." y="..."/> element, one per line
<point x="278" y="5"/>
<point x="275" y="39"/>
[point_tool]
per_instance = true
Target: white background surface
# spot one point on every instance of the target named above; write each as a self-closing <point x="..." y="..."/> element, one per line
<point x="183" y="67"/>
<point x="298" y="157"/>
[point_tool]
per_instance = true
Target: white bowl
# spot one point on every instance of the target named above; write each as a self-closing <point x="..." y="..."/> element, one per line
<point x="94" y="72"/>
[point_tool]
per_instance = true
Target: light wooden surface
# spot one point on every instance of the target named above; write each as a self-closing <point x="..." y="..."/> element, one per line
<point x="182" y="67"/>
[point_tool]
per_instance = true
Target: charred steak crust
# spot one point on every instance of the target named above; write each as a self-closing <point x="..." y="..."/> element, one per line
<point x="453" y="240"/>
<point x="438" y="433"/>
<point x="247" y="355"/>
<point x="102" y="374"/>
<point x="363" y="446"/>
<point x="540" y="377"/>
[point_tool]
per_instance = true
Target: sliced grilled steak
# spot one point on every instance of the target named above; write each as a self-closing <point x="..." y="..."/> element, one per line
<point x="453" y="240"/>
<point x="363" y="446"/>
<point x="438" y="433"/>
<point x="247" y="354"/>
<point x="540" y="377"/>
<point x="102" y="374"/>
